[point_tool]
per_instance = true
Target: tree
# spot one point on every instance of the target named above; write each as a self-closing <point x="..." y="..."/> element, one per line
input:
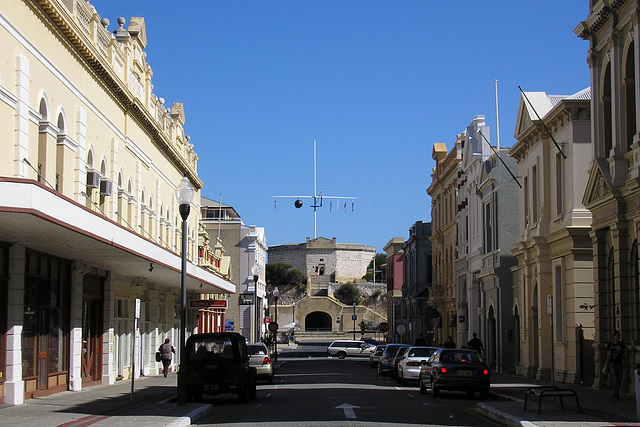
<point x="348" y="294"/>
<point x="284" y="276"/>
<point x="380" y="259"/>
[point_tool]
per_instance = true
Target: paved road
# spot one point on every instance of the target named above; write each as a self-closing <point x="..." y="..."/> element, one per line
<point x="311" y="388"/>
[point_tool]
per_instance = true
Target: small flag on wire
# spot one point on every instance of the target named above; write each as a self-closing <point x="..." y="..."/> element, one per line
<point x="345" y="208"/>
<point x="330" y="203"/>
<point x="275" y="204"/>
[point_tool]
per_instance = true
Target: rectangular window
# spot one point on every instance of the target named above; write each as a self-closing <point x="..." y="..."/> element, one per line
<point x="525" y="196"/>
<point x="534" y="194"/>
<point x="558" y="305"/>
<point x="488" y="229"/>
<point x="559" y="185"/>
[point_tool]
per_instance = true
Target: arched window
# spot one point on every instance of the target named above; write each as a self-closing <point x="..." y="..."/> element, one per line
<point x="607" y="130"/>
<point x="630" y="99"/>
<point x="608" y="294"/>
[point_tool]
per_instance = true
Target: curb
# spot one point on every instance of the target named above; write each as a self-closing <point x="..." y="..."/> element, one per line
<point x="191" y="417"/>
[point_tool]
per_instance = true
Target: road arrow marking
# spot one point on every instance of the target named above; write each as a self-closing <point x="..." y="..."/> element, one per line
<point x="348" y="410"/>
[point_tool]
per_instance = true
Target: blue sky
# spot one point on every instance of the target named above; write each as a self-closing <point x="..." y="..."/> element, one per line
<point x="376" y="83"/>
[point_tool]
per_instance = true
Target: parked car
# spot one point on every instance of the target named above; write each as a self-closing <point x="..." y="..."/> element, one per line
<point x="370" y="340"/>
<point x="375" y="356"/>
<point x="384" y="365"/>
<point x="396" y="359"/>
<point x="456" y="370"/>
<point x="344" y="348"/>
<point x="219" y="363"/>
<point x="260" y="359"/>
<point x="409" y="365"/>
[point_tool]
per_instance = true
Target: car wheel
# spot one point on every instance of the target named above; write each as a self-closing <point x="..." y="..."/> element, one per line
<point x="434" y="390"/>
<point x="399" y="377"/>
<point x="379" y="369"/>
<point x="404" y="382"/>
<point x="423" y="389"/>
<point x="341" y="355"/>
<point x="270" y="379"/>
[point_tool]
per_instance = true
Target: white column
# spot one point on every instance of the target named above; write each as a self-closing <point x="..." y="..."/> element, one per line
<point x="108" y="355"/>
<point x="21" y="142"/>
<point x="75" y="326"/>
<point x="14" y="386"/>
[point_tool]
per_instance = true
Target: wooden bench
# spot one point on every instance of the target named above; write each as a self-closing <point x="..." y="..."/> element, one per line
<point x="551" y="392"/>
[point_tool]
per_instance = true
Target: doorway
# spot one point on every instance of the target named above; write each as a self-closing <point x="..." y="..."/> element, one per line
<point x="92" y="329"/>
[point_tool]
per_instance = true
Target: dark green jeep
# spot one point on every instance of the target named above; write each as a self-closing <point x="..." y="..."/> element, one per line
<point x="219" y="363"/>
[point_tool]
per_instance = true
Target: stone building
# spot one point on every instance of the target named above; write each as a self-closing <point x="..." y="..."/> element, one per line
<point x="324" y="262"/>
<point x="417" y="283"/>
<point x="91" y="234"/>
<point x="611" y="195"/>
<point x="242" y="246"/>
<point x="444" y="233"/>
<point x="498" y="315"/>
<point x="395" y="283"/>
<point x="470" y="227"/>
<point x="554" y="252"/>
<point x="327" y="260"/>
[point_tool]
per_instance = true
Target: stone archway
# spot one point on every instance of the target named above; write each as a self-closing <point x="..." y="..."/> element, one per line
<point x="317" y="321"/>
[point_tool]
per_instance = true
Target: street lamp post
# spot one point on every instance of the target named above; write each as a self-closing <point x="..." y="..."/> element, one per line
<point x="354" y="321"/>
<point x="184" y="197"/>
<point x="255" y="270"/>
<point x="276" y="294"/>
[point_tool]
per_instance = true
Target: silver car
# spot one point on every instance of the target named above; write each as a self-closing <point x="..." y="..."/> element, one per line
<point x="409" y="365"/>
<point x="261" y="360"/>
<point x="344" y="348"/>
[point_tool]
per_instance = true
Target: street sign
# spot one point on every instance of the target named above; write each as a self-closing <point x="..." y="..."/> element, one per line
<point x="273" y="327"/>
<point x="354" y="317"/>
<point x="401" y="329"/>
<point x="245" y="299"/>
<point x="383" y="327"/>
<point x="208" y="303"/>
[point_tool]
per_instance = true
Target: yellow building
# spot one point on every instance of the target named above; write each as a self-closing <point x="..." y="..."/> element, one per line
<point x="444" y="230"/>
<point x="90" y="230"/>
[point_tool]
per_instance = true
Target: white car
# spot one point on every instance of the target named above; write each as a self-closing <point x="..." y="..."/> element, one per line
<point x="344" y="348"/>
<point x="409" y="365"/>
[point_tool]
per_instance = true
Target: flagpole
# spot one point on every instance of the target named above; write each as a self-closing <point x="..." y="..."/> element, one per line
<point x="497" y="116"/>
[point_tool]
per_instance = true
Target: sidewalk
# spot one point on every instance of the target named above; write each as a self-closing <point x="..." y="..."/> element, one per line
<point x="154" y="405"/>
<point x="107" y="405"/>
<point x="598" y="406"/>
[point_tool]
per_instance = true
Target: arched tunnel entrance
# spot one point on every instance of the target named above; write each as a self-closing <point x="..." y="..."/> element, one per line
<point x="317" y="321"/>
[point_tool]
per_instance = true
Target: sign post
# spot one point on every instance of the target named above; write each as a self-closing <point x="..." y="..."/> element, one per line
<point x="136" y="316"/>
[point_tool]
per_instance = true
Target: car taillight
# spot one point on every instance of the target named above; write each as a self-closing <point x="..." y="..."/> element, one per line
<point x="413" y="363"/>
<point x="485" y="372"/>
<point x="266" y="361"/>
<point x="443" y="370"/>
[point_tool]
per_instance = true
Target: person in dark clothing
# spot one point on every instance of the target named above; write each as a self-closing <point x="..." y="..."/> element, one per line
<point x="420" y="340"/>
<point x="167" y="352"/>
<point x="449" y="343"/>
<point x="614" y="362"/>
<point x="475" y="344"/>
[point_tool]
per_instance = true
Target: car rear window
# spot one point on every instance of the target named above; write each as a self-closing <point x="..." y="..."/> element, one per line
<point x="220" y="346"/>
<point x="256" y="349"/>
<point x="420" y="352"/>
<point x="459" y="356"/>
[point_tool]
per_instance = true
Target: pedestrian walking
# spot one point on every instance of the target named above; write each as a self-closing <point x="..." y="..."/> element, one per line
<point x="475" y="344"/>
<point x="614" y="362"/>
<point x="449" y="343"/>
<point x="167" y="351"/>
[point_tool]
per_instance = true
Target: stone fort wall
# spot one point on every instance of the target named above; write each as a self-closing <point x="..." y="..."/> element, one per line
<point x="341" y="262"/>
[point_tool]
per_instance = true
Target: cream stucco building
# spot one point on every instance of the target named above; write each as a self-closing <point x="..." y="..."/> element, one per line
<point x="91" y="233"/>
